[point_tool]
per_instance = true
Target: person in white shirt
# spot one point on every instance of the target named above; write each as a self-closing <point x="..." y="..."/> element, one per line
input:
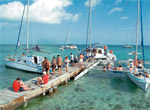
<point x="71" y="59"/>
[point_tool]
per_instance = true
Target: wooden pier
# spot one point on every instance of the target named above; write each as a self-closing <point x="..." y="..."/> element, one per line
<point x="10" y="100"/>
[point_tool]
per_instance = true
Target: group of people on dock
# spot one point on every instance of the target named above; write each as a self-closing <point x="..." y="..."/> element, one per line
<point x="56" y="63"/>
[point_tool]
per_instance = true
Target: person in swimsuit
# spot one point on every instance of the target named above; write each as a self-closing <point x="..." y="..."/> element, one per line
<point x="53" y="65"/>
<point x="59" y="64"/>
<point x="71" y="59"/>
<point x="46" y="66"/>
<point x="81" y="57"/>
<point x="75" y="59"/>
<point x="115" y="68"/>
<point x="23" y="54"/>
<point x="120" y="68"/>
<point x="66" y="61"/>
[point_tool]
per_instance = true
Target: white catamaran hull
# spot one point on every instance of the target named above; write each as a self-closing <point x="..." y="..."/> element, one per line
<point x="138" y="81"/>
<point x="22" y="66"/>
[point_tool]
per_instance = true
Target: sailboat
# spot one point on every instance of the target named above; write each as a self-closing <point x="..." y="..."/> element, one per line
<point x="127" y="45"/>
<point x="67" y="45"/>
<point x="140" y="76"/>
<point x="24" y="62"/>
<point x="101" y="52"/>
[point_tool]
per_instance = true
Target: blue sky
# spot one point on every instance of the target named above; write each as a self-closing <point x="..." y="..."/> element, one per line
<point x="113" y="21"/>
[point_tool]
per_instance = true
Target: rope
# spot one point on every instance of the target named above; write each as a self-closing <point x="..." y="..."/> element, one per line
<point x="20" y="29"/>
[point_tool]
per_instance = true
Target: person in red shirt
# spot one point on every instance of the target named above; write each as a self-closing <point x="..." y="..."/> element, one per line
<point x="18" y="85"/>
<point x="43" y="80"/>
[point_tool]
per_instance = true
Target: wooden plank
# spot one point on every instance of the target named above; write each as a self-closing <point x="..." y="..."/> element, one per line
<point x="14" y="93"/>
<point x="8" y="95"/>
<point x="2" y="102"/>
<point x="6" y="98"/>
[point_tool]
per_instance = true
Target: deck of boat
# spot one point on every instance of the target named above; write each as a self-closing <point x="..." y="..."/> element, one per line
<point x="12" y="100"/>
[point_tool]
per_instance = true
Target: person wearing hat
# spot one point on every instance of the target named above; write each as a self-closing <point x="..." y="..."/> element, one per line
<point x="43" y="79"/>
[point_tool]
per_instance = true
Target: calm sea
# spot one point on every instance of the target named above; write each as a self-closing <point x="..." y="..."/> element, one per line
<point x="95" y="91"/>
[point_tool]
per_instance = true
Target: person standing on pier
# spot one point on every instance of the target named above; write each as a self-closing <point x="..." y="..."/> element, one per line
<point x="46" y="66"/>
<point x="59" y="64"/>
<point x="71" y="59"/>
<point x="53" y="65"/>
<point x="75" y="59"/>
<point x="81" y="57"/>
<point x="66" y="61"/>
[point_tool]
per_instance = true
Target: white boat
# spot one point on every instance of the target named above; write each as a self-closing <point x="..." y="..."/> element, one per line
<point x="69" y="47"/>
<point x="142" y="81"/>
<point x="104" y="54"/>
<point x="127" y="46"/>
<point x="26" y="63"/>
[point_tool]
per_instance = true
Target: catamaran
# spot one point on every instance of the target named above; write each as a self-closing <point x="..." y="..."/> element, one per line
<point x="140" y="76"/>
<point x="67" y="45"/>
<point x="26" y="63"/>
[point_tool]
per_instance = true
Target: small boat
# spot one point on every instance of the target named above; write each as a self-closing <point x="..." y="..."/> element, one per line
<point x="127" y="46"/>
<point x="25" y="63"/>
<point x="138" y="73"/>
<point x="69" y="46"/>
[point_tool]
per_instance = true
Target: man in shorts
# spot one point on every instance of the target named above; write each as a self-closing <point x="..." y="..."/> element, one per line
<point x="59" y="64"/>
<point x="71" y="59"/>
<point x="46" y="66"/>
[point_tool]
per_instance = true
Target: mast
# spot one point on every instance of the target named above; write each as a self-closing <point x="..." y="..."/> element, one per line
<point x="137" y="28"/>
<point x="27" y="26"/>
<point x="67" y="36"/>
<point x="142" y="39"/>
<point x="90" y="24"/>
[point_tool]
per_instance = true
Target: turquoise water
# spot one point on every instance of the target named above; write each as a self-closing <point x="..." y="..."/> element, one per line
<point x="95" y="91"/>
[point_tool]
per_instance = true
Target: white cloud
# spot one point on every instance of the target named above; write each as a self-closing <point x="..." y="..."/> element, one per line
<point x="124" y="17"/>
<point x="93" y="3"/>
<point x="117" y="9"/>
<point x="118" y="1"/>
<point x="45" y="11"/>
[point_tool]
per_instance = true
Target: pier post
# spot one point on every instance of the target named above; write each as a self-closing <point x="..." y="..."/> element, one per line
<point x="25" y="101"/>
<point x="66" y="82"/>
<point x="50" y="91"/>
<point x="43" y="89"/>
<point x="55" y="88"/>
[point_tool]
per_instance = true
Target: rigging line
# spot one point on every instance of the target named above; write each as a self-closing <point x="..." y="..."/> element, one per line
<point x="20" y="29"/>
<point x="87" y="34"/>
